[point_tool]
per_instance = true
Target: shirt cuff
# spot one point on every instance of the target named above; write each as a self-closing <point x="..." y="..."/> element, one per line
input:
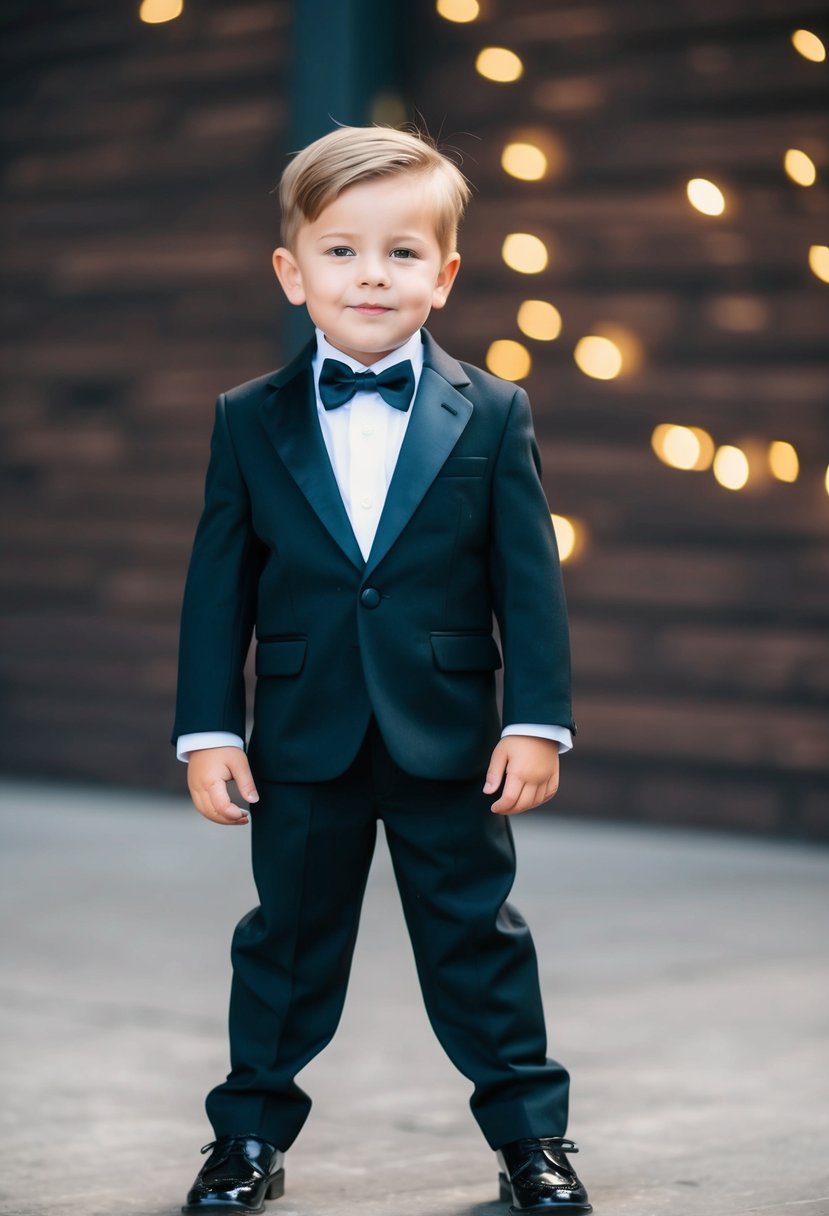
<point x="185" y="744"/>
<point x="559" y="734"/>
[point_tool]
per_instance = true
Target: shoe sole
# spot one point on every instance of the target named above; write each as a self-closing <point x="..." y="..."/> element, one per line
<point x="542" y="1209"/>
<point x="276" y="1189"/>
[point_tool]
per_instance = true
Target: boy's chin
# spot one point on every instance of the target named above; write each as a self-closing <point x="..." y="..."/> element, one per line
<point x="364" y="351"/>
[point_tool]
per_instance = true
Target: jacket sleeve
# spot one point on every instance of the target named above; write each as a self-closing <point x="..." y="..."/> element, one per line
<point x="526" y="583"/>
<point x="219" y="598"/>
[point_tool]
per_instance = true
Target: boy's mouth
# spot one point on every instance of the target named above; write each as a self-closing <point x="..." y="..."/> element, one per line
<point x="371" y="310"/>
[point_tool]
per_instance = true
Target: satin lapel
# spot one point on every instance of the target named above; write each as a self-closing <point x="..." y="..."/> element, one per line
<point x="289" y="418"/>
<point x="439" y="415"/>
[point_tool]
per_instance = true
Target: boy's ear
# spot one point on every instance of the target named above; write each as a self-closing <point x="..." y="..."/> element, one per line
<point x="445" y="279"/>
<point x="290" y="278"/>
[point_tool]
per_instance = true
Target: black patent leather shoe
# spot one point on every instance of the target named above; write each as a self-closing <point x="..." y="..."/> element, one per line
<point x="238" y="1176"/>
<point x="537" y="1177"/>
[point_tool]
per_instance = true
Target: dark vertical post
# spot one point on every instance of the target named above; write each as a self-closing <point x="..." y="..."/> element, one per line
<point x="348" y="67"/>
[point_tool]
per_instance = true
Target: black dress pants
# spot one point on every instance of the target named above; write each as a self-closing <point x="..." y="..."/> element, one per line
<point x="454" y="863"/>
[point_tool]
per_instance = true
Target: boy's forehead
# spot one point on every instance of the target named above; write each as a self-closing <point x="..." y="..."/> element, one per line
<point x="403" y="200"/>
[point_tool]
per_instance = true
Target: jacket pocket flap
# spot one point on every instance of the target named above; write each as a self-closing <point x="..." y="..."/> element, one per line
<point x="463" y="466"/>
<point x="465" y="652"/>
<point x="282" y="658"/>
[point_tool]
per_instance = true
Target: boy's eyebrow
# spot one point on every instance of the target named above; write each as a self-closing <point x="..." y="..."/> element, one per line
<point x="410" y="237"/>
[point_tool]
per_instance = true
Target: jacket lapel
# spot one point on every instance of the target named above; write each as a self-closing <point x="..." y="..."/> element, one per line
<point x="293" y="428"/>
<point x="439" y="416"/>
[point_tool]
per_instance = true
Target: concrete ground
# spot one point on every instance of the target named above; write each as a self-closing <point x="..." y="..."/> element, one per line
<point x="685" y="978"/>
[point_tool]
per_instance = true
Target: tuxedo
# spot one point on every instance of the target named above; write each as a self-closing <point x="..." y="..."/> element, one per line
<point x="376" y="698"/>
<point x="405" y="634"/>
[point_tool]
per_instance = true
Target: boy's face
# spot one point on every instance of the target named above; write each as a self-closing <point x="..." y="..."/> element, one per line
<point x="369" y="268"/>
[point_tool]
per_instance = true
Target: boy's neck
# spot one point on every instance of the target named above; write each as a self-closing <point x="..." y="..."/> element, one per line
<point x="368" y="358"/>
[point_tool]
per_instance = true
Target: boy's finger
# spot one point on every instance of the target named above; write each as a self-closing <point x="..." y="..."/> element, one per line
<point x="219" y="801"/>
<point x="228" y="818"/>
<point x="243" y="777"/>
<point x="512" y="792"/>
<point x="216" y="795"/>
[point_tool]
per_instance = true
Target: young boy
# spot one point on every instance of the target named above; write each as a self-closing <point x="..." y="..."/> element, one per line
<point x="367" y="524"/>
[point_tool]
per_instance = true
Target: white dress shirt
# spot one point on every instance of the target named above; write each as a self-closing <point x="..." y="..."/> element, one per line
<point x="363" y="439"/>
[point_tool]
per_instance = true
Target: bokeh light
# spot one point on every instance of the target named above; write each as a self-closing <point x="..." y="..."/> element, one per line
<point x="819" y="262"/>
<point x="783" y="461"/>
<point x="730" y="467"/>
<point x="525" y="253"/>
<point x="499" y="64"/>
<point x="598" y="357"/>
<point x="508" y="359"/>
<point x="683" y="447"/>
<point x="570" y="536"/>
<point x="524" y="161"/>
<point x="800" y="167"/>
<point x="540" y="320"/>
<point x="809" y="45"/>
<point x="705" y="196"/>
<point x="461" y="11"/>
<point x="155" y="12"/>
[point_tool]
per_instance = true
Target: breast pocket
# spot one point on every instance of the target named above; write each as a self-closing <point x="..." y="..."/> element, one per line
<point x="463" y="466"/>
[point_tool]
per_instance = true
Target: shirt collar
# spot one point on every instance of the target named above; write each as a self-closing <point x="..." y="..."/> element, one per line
<point x="411" y="350"/>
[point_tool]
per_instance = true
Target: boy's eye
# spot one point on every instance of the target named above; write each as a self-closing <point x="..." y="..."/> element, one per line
<point x="341" y="251"/>
<point x="403" y="254"/>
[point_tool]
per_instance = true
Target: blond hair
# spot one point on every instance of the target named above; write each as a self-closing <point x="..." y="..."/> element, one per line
<point x="322" y="170"/>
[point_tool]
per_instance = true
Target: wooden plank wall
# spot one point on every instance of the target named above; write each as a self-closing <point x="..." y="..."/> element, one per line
<point x="136" y="235"/>
<point x="137" y="229"/>
<point x="699" y="614"/>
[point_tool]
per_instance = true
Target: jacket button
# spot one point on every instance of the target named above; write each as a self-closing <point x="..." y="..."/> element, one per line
<point x="370" y="597"/>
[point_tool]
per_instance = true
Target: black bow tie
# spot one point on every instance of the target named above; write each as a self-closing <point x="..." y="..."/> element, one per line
<point x="338" y="384"/>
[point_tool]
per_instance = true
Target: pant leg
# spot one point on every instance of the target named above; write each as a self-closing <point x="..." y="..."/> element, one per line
<point x="312" y="847"/>
<point x="454" y="862"/>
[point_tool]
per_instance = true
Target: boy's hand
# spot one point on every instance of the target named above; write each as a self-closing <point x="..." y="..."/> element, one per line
<point x="530" y="766"/>
<point x="208" y="773"/>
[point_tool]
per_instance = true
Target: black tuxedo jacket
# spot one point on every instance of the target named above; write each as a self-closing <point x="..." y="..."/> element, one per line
<point x="465" y="532"/>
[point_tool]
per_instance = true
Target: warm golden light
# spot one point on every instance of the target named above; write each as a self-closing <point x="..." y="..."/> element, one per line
<point x="819" y="262"/>
<point x="540" y="320"/>
<point x="155" y="12"/>
<point x="458" y="10"/>
<point x="783" y="461"/>
<point x="524" y="161"/>
<point x="683" y="447"/>
<point x="525" y="253"/>
<point x="626" y="342"/>
<point x="826" y="479"/>
<point x="731" y="467"/>
<point x="705" y="196"/>
<point x="598" y="357"/>
<point x="569" y="536"/>
<point x="809" y="45"/>
<point x="509" y="360"/>
<point x="800" y="167"/>
<point x="499" y="64"/>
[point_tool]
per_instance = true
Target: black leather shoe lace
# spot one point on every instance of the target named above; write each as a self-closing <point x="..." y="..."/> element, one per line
<point x="556" y="1144"/>
<point x="234" y="1144"/>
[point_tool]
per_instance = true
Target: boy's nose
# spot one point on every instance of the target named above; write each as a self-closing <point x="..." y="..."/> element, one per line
<point x="373" y="273"/>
